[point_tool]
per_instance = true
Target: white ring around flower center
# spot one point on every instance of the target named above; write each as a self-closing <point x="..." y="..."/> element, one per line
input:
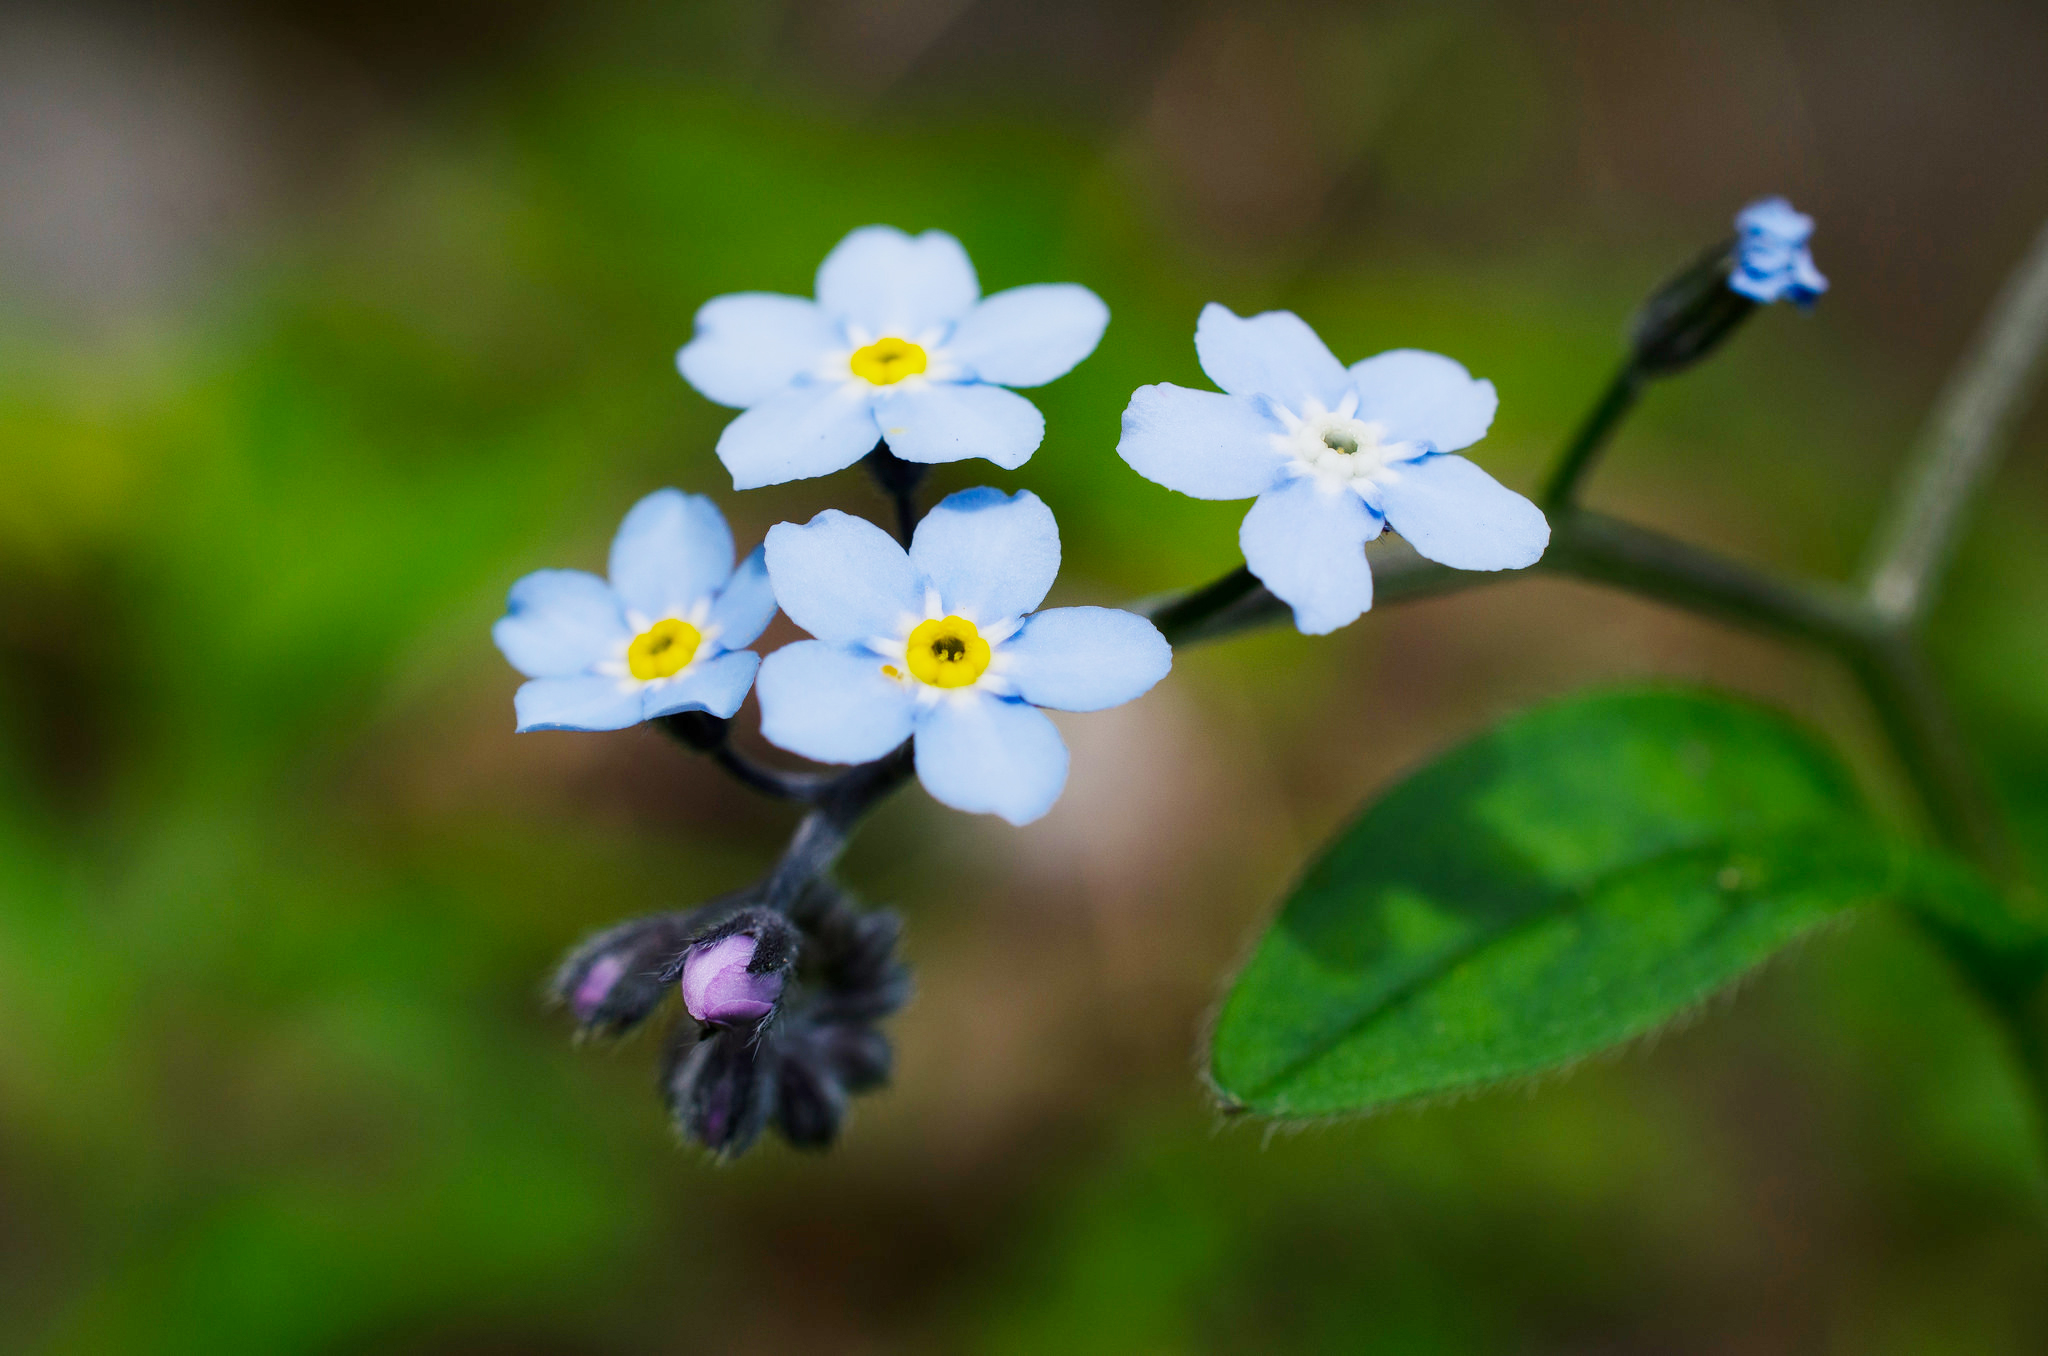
<point x="1338" y="448"/>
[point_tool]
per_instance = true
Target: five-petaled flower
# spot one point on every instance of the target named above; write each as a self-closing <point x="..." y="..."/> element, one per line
<point x="942" y="642"/>
<point x="1772" y="262"/>
<point x="900" y="346"/>
<point x="1333" y="456"/>
<point x="667" y="634"/>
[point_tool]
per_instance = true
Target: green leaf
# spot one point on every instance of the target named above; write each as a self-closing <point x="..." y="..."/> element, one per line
<point x="1571" y="880"/>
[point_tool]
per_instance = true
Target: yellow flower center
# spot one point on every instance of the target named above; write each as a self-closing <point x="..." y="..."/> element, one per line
<point x="663" y="650"/>
<point x="947" y="652"/>
<point x="888" y="361"/>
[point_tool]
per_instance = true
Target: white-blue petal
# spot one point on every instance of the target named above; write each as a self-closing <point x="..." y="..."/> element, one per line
<point x="991" y="556"/>
<point x="805" y="431"/>
<point x="746" y="605"/>
<point x="588" y="703"/>
<point x="1424" y="398"/>
<point x="1806" y="282"/>
<point x="1455" y="514"/>
<point x="1202" y="443"/>
<point x="672" y="552"/>
<point x="718" y="685"/>
<point x="842" y="578"/>
<point x="1271" y="354"/>
<point x="1307" y="544"/>
<point x="750" y="345"/>
<point x="887" y="282"/>
<point x="947" y="421"/>
<point x="831" y="704"/>
<point x="558" y="623"/>
<point x="1027" y="336"/>
<point x="1775" y="218"/>
<point x="1085" y="658"/>
<point x="989" y="756"/>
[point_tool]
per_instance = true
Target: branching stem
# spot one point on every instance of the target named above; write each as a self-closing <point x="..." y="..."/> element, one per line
<point x="1872" y="629"/>
<point x="1962" y="441"/>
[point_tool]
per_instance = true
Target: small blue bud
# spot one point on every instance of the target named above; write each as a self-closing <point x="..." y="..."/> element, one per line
<point x="1772" y="262"/>
<point x="1689" y="316"/>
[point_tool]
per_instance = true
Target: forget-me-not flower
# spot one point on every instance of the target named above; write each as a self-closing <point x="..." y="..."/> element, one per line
<point x="667" y="634"/>
<point x="942" y="643"/>
<point x="900" y="345"/>
<point x="1772" y="262"/>
<point x="1333" y="455"/>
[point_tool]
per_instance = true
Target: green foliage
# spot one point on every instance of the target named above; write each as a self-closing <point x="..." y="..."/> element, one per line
<point x="1573" y="879"/>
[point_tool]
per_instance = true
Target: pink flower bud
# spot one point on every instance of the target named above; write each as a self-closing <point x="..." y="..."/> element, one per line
<point x="597" y="985"/>
<point x="718" y="987"/>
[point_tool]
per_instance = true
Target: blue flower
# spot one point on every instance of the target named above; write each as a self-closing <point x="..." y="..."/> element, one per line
<point x="942" y="643"/>
<point x="1333" y="456"/>
<point x="900" y="345"/>
<point x="667" y="634"/>
<point x="1771" y="259"/>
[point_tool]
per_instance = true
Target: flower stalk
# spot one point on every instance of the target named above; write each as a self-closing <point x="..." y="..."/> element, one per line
<point x="1873" y="629"/>
<point x="1331" y="462"/>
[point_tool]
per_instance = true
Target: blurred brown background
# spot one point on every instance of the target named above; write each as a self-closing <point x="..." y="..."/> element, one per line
<point x="320" y="324"/>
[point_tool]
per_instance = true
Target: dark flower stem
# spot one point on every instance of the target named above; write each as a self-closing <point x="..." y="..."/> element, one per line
<point x="1181" y="619"/>
<point x="769" y="781"/>
<point x="900" y="480"/>
<point x="838" y="808"/>
<point x="1579" y="454"/>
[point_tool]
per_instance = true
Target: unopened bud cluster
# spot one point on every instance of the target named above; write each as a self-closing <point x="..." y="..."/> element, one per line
<point x="780" y="1010"/>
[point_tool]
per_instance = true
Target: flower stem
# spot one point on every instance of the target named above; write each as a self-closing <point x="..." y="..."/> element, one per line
<point x="1917" y="720"/>
<point x="1962" y="441"/>
<point x="1579" y="454"/>
<point x="702" y="732"/>
<point x="1181" y="618"/>
<point x="900" y="480"/>
<point x="769" y="781"/>
<point x="1212" y="613"/>
<point x="840" y="803"/>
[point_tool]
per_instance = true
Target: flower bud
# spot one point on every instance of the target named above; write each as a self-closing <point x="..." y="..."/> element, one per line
<point x="759" y="1050"/>
<point x="1689" y="316"/>
<point x="720" y="1087"/>
<point x="1772" y="262"/>
<point x="614" y="980"/>
<point x="859" y="974"/>
<point x="721" y="985"/>
<point x="858" y="1055"/>
<point x="809" y="1105"/>
<point x="1765" y="261"/>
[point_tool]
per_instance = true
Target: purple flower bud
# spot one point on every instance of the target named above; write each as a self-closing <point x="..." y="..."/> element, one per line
<point x="720" y="1087"/>
<point x="613" y="981"/>
<point x="597" y="985"/>
<point x="809" y="1104"/>
<point x="718" y="988"/>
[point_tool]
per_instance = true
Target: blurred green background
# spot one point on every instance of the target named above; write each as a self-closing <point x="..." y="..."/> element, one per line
<point x="319" y="325"/>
